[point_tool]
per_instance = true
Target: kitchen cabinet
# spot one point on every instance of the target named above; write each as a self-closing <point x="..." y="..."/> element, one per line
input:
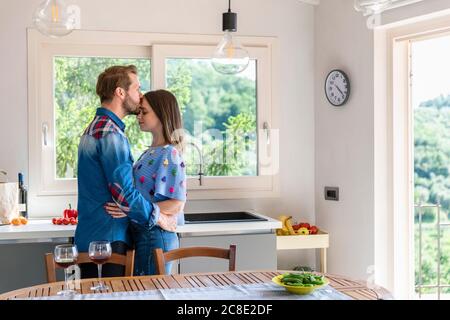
<point x="23" y="264"/>
<point x="254" y="251"/>
<point x="321" y="241"/>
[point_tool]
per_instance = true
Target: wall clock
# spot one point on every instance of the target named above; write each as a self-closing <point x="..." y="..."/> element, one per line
<point x="337" y="88"/>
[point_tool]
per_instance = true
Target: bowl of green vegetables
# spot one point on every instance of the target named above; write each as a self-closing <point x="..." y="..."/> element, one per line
<point x="300" y="283"/>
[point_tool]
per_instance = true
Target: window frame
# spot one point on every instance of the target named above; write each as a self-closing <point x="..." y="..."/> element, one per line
<point x="50" y="185"/>
<point x="162" y="52"/>
<point x="46" y="193"/>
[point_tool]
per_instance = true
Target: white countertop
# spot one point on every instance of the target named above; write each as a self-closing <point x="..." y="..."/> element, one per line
<point x="36" y="229"/>
<point x="229" y="227"/>
<point x="43" y="230"/>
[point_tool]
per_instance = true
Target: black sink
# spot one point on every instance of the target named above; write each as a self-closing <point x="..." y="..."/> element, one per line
<point x="221" y="217"/>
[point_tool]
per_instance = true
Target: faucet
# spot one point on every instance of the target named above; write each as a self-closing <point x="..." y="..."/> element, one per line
<point x="200" y="173"/>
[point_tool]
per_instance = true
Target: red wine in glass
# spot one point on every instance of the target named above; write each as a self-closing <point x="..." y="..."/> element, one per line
<point x="99" y="253"/>
<point x="99" y="259"/>
<point x="65" y="255"/>
<point x="65" y="262"/>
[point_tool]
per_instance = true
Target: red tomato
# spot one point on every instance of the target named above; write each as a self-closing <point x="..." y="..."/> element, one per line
<point x="54" y="220"/>
<point x="66" y="221"/>
<point x="73" y="221"/>
<point x="59" y="221"/>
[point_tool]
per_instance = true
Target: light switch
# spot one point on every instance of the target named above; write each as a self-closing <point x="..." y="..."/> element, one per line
<point x="332" y="193"/>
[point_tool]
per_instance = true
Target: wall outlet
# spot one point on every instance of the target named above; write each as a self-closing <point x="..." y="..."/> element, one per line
<point x="332" y="193"/>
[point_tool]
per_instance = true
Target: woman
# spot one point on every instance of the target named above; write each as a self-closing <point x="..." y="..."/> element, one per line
<point x="160" y="176"/>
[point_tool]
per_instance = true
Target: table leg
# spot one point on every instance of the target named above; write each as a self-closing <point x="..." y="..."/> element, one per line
<point x="323" y="260"/>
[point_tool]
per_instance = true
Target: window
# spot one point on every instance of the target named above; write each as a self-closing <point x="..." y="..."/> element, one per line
<point x="430" y="91"/>
<point x="75" y="103"/>
<point x="66" y="104"/>
<point x="228" y="119"/>
<point x="223" y="108"/>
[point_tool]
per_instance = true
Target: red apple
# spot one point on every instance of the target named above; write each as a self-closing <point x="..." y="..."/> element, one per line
<point x="305" y="225"/>
<point x="313" y="230"/>
<point x="59" y="221"/>
<point x="54" y="220"/>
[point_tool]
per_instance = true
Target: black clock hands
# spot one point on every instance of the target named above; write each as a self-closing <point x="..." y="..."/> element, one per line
<point x="339" y="90"/>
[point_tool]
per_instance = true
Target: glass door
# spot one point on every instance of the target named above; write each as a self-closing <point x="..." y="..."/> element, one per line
<point x="430" y="101"/>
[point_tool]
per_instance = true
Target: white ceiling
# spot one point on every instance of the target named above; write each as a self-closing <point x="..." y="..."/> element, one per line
<point x="314" y="2"/>
<point x="396" y="4"/>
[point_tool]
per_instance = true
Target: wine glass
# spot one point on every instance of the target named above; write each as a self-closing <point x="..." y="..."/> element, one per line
<point x="66" y="255"/>
<point x="99" y="253"/>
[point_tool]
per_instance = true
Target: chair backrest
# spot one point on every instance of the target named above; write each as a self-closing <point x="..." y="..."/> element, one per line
<point x="162" y="257"/>
<point x="83" y="257"/>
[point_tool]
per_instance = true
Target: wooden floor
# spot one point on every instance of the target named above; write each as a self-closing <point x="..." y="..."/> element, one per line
<point x="355" y="289"/>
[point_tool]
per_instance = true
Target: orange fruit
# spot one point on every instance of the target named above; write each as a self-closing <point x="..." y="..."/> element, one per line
<point x="15" y="221"/>
<point x="23" y="220"/>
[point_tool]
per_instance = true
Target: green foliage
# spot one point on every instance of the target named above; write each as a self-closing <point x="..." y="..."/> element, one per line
<point x="432" y="186"/>
<point x="76" y="102"/>
<point x="430" y="257"/>
<point x="236" y="152"/>
<point x="179" y="81"/>
<point x="428" y="215"/>
<point x="218" y="110"/>
<point x="432" y="153"/>
<point x="207" y="96"/>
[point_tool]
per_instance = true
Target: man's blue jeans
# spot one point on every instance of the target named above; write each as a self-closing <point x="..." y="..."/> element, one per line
<point x="145" y="241"/>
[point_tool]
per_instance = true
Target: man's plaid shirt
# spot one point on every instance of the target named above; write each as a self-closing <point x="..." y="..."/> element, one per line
<point x="105" y="175"/>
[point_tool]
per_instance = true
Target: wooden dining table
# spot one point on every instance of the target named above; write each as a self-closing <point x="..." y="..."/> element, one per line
<point x="354" y="289"/>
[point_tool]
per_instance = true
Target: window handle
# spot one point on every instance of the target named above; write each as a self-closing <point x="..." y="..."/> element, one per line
<point x="45" y="133"/>
<point x="266" y="128"/>
<point x="5" y="174"/>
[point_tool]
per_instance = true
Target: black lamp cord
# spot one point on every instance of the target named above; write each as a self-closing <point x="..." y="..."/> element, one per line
<point x="229" y="19"/>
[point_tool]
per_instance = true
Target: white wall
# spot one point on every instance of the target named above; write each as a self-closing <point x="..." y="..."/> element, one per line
<point x="290" y="20"/>
<point x="344" y="137"/>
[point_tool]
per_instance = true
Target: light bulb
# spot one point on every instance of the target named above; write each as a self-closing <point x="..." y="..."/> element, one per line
<point x="372" y="6"/>
<point x="230" y="57"/>
<point x="52" y="18"/>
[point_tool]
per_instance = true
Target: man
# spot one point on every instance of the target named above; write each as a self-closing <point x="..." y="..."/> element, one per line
<point x="105" y="170"/>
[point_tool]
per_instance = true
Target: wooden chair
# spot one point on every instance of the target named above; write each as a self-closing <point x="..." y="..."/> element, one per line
<point x="83" y="257"/>
<point x="162" y="257"/>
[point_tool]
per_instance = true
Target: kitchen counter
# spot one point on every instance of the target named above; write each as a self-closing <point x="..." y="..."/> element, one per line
<point x="26" y="246"/>
<point x="36" y="230"/>
<point x="42" y="230"/>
